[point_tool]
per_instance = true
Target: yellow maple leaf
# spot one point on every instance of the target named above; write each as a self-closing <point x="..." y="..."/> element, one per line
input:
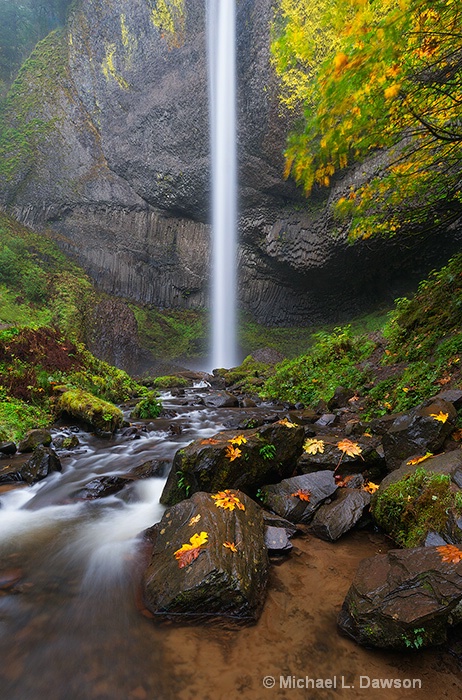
<point x="392" y="91"/>
<point x="313" y="446"/>
<point x="238" y="440"/>
<point x="187" y="553"/>
<point x="370" y="487"/>
<point x="352" y="449"/>
<point x="418" y="460"/>
<point x="441" y="417"/>
<point x="232" y="453"/>
<point x="231" y="546"/>
<point x="450" y="553"/>
<point x="287" y="423"/>
<point x="227" y="500"/>
<point x="194" y="520"/>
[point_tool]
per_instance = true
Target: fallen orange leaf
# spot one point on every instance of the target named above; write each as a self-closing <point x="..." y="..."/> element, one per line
<point x="302" y="494"/>
<point x="352" y="449"/>
<point x="227" y="500"/>
<point x="231" y="546"/>
<point x="189" y="552"/>
<point x="232" y="453"/>
<point x="418" y="460"/>
<point x="238" y="440"/>
<point x="450" y="553"/>
<point x="209" y="441"/>
<point x="370" y="487"/>
<point x="287" y="423"/>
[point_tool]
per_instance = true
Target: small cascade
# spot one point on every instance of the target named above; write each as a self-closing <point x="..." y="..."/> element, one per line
<point x="222" y="92"/>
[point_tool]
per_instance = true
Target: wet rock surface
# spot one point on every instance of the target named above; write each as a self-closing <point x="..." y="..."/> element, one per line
<point x="405" y="599"/>
<point x="334" y="519"/>
<point x="219" y="582"/>
<point x="34" y="438"/>
<point x="282" y="499"/>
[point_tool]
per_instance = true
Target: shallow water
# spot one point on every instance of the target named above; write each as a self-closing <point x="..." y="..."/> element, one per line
<point x="70" y="626"/>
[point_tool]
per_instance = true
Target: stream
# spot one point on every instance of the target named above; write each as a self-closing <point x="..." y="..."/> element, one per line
<point x="70" y="625"/>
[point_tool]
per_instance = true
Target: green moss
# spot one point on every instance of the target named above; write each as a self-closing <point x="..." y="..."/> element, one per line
<point x="148" y="407"/>
<point x="17" y="417"/>
<point x="83" y="406"/>
<point x="415" y="505"/>
<point x="172" y="333"/>
<point x="169" y="381"/>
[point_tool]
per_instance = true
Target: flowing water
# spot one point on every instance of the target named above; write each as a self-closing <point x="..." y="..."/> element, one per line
<point x="70" y="622"/>
<point x="222" y="90"/>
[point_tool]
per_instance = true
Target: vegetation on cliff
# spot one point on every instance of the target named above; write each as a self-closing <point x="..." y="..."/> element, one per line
<point x="366" y="76"/>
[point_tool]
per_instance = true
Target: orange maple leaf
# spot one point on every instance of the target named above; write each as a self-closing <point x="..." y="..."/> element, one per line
<point x="227" y="500"/>
<point x="287" y="423"/>
<point x="370" y="487"/>
<point x="450" y="553"/>
<point x="418" y="460"/>
<point x="232" y="453"/>
<point x="302" y="494"/>
<point x="231" y="546"/>
<point x="209" y="441"/>
<point x="189" y="552"/>
<point x="352" y="449"/>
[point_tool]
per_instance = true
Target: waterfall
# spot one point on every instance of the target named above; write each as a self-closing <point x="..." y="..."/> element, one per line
<point x="222" y="94"/>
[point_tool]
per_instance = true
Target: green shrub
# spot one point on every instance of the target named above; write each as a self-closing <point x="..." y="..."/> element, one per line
<point x="169" y="381"/>
<point x="148" y="407"/>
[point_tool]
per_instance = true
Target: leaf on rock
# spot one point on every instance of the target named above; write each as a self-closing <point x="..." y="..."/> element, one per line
<point x="227" y="500"/>
<point x="457" y="435"/>
<point x="418" y="460"/>
<point x="238" y="440"/>
<point x="370" y="487"/>
<point x="450" y="553"/>
<point x="313" y="446"/>
<point x="231" y="546"/>
<point x="232" y="453"/>
<point x="189" y="552"/>
<point x="302" y="494"/>
<point x="209" y="441"/>
<point x="194" y="520"/>
<point x="287" y="423"/>
<point x="441" y="417"/>
<point x="352" y="449"/>
<point x="343" y="482"/>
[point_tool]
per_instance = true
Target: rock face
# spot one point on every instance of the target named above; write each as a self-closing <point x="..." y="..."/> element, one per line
<point x="333" y="520"/>
<point x="218" y="582"/>
<point x="126" y="186"/>
<point x="283" y="499"/>
<point x="405" y="599"/>
<point x="227" y="460"/>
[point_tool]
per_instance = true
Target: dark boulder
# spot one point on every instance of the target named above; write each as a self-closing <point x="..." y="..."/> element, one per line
<point x="7" y="449"/>
<point x="333" y="520"/>
<point x="227" y="578"/>
<point x="221" y="399"/>
<point x="43" y="462"/>
<point x="277" y="540"/>
<point x="265" y="454"/>
<point x="33" y="438"/>
<point x="282" y="498"/>
<point x="405" y="599"/>
<point x="340" y="399"/>
<point x="424" y="429"/>
<point x="102" y="487"/>
<point x="149" y="469"/>
<point x="331" y="455"/>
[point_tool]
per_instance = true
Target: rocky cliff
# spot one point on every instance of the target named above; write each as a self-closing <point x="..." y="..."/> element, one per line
<point x="105" y="145"/>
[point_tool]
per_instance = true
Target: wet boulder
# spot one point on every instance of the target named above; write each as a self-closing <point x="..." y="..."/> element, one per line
<point x="277" y="541"/>
<point x="7" y="449"/>
<point x="101" y="487"/>
<point x="405" y="599"/>
<point x="43" y="462"/>
<point x="221" y="399"/>
<point x="98" y="414"/>
<point x="329" y="456"/>
<point x="151" y="468"/>
<point x="340" y="399"/>
<point x="422" y="430"/>
<point x="33" y="438"/>
<point x="298" y="498"/>
<point x="334" y="519"/>
<point x="244" y="461"/>
<point x="418" y="499"/>
<point x="226" y="575"/>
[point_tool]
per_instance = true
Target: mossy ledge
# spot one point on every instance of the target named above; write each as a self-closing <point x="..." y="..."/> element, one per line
<point x="83" y="406"/>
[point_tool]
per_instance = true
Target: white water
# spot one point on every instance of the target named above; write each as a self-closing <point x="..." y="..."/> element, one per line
<point x="222" y="91"/>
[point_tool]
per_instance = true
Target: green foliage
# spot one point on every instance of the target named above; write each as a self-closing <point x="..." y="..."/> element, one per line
<point x="183" y="483"/>
<point x="364" y="76"/>
<point x="17" y="417"/>
<point x="289" y="341"/>
<point x="172" y="333"/>
<point x="332" y="361"/>
<point x="268" y="451"/>
<point x="417" y="640"/>
<point x="248" y="376"/>
<point x="148" y="407"/>
<point x="415" y="505"/>
<point x="169" y="382"/>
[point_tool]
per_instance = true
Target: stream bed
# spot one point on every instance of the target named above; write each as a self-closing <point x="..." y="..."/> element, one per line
<point x="71" y="626"/>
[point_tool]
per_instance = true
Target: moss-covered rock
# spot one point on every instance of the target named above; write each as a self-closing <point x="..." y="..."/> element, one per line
<point x="99" y="414"/>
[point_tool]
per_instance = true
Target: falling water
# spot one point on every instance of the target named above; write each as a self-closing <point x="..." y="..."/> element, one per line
<point x="222" y="82"/>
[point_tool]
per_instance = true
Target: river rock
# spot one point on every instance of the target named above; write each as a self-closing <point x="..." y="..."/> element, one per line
<point x="418" y="432"/>
<point x="33" y="438"/>
<point x="333" y="520"/>
<point x="7" y="449"/>
<point x="149" y="469"/>
<point x="340" y="399"/>
<point x="277" y="540"/>
<point x="221" y="399"/>
<point x="369" y="458"/>
<point x="102" y="487"/>
<point x="268" y="453"/>
<point x="405" y="599"/>
<point x="219" y="583"/>
<point x="281" y="499"/>
<point x="43" y="462"/>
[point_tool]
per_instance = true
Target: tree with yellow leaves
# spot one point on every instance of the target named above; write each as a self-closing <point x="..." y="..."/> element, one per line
<point x="368" y="76"/>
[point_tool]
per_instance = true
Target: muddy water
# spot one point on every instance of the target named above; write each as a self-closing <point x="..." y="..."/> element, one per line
<point x="70" y="628"/>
